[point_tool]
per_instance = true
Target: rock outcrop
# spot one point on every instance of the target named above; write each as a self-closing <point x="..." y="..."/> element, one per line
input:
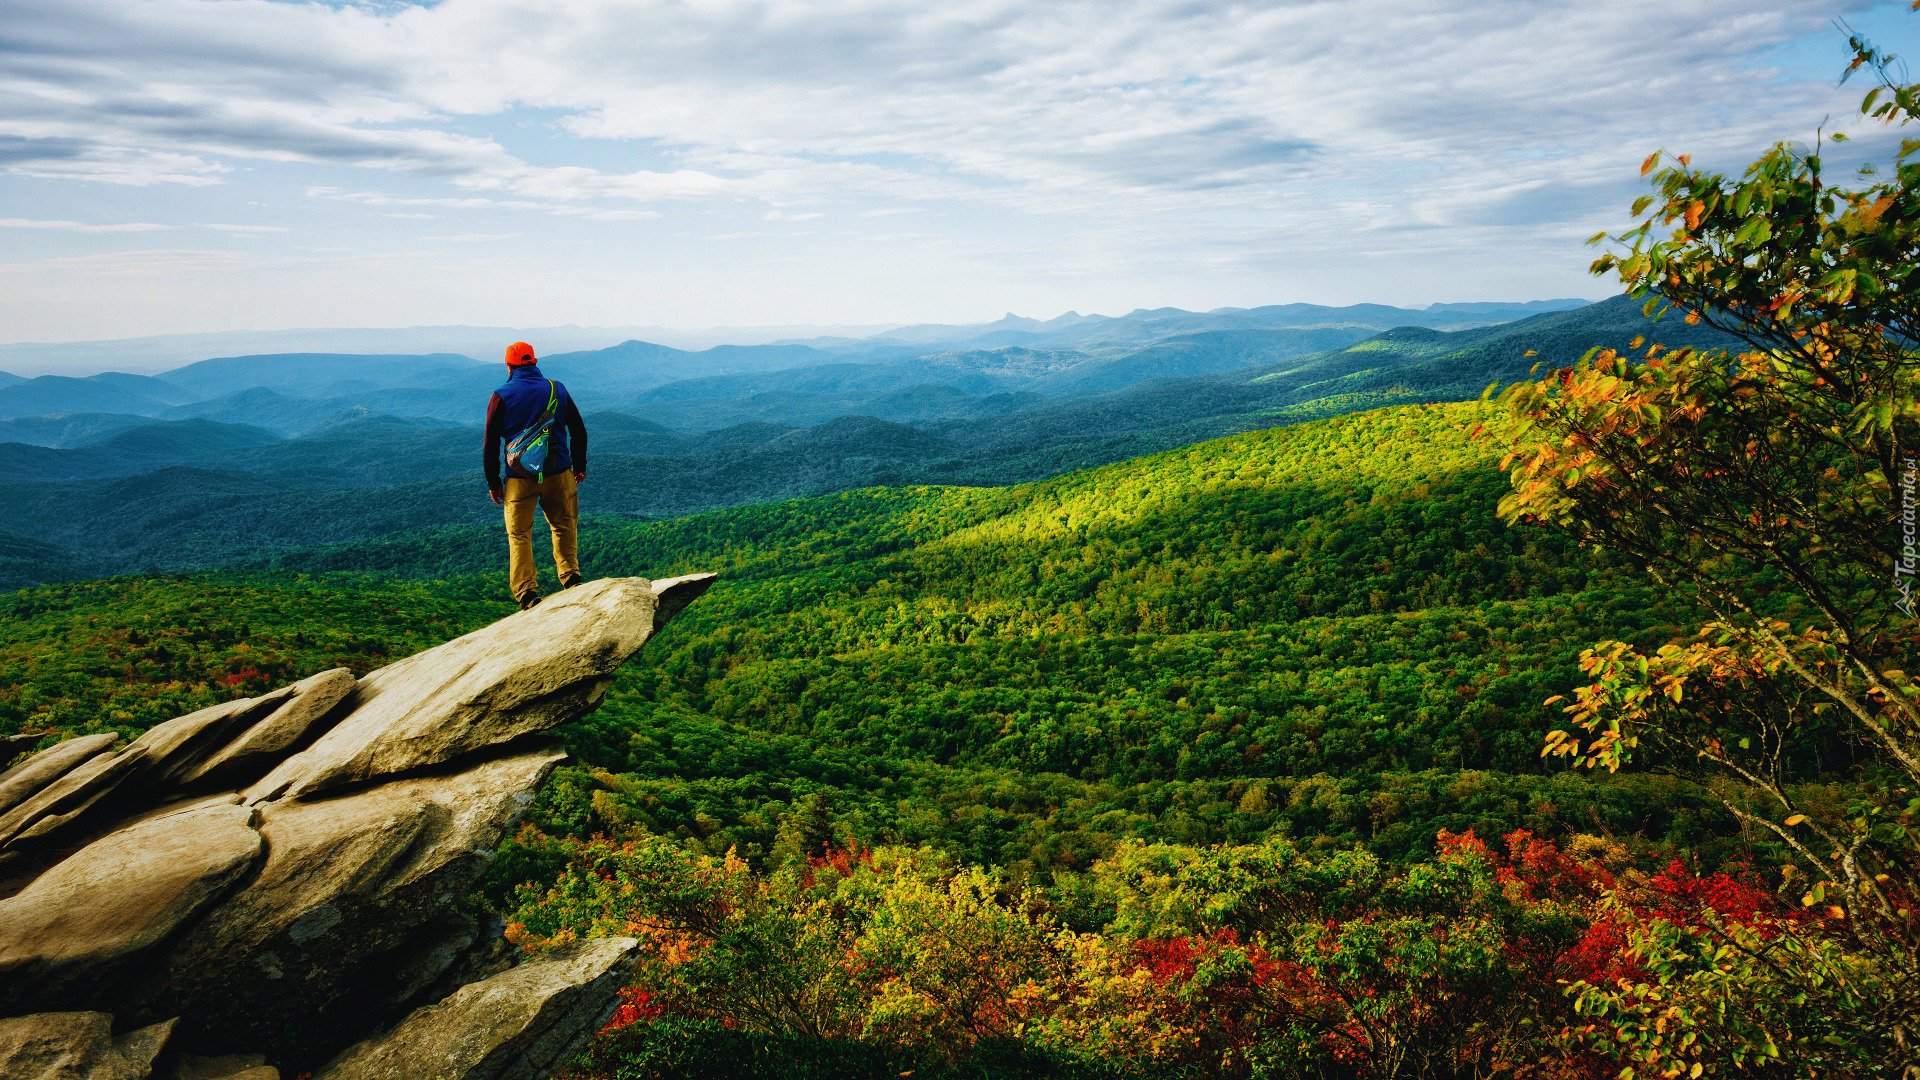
<point x="519" y="1025"/>
<point x="276" y="881"/>
<point x="68" y="937"/>
<point x="77" y="1046"/>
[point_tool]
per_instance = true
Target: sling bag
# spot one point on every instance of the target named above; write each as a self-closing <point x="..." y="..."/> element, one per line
<point x="527" y="454"/>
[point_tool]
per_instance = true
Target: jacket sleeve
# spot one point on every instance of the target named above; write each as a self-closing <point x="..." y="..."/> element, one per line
<point x="493" y="444"/>
<point x="576" y="434"/>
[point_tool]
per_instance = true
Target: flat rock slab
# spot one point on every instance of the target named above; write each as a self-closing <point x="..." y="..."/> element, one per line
<point x="66" y="937"/>
<point x="76" y="790"/>
<point x="32" y="775"/>
<point x="173" y="747"/>
<point x="346" y="882"/>
<point x="77" y="1046"/>
<point x="69" y="805"/>
<point x="525" y="673"/>
<point x="519" y="1025"/>
<point x="262" y="744"/>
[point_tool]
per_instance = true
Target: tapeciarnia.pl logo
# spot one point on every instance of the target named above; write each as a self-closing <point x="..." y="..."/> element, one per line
<point x="1905" y="565"/>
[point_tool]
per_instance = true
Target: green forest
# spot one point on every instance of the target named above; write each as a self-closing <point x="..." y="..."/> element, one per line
<point x="1322" y="630"/>
<point x="1300" y="646"/>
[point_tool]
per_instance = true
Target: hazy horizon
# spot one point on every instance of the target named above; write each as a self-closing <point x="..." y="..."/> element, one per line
<point x="151" y="354"/>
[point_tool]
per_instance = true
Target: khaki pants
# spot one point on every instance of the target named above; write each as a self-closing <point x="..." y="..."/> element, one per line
<point x="560" y="502"/>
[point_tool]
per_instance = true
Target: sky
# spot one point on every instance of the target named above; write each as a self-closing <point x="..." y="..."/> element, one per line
<point x="174" y="166"/>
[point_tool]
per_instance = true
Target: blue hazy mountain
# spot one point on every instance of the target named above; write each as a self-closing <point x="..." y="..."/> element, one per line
<point x="137" y="450"/>
<point x="326" y="374"/>
<point x="68" y="429"/>
<point x="637" y="365"/>
<point x="293" y="416"/>
<point x="1147" y="324"/>
<point x="1082" y="354"/>
<point x="111" y="391"/>
<point x="216" y="483"/>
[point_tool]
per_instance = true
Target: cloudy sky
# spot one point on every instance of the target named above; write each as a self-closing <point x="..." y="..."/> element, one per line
<point x="200" y="165"/>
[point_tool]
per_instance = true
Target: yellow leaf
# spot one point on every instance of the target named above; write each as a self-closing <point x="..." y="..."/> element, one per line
<point x="1796" y="819"/>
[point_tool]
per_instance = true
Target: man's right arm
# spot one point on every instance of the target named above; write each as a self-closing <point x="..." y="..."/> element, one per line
<point x="494" y="436"/>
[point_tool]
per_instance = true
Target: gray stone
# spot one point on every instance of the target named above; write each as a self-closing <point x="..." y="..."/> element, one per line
<point x="68" y="936"/>
<point x="14" y="744"/>
<point x="77" y="1046"/>
<point x="672" y="595"/>
<point x="32" y="775"/>
<point x="69" y="796"/>
<point x="525" y="673"/>
<point x="262" y="744"/>
<point x="73" y="803"/>
<point x="172" y="749"/>
<point x="347" y="880"/>
<point x="520" y="1025"/>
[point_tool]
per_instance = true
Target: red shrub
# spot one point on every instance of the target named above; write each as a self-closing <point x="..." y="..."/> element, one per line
<point x="635" y="1005"/>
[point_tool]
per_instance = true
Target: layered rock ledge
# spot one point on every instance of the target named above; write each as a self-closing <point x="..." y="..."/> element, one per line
<point x="271" y="886"/>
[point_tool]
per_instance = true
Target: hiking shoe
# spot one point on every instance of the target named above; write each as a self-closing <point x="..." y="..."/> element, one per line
<point x="570" y="582"/>
<point x="529" y="600"/>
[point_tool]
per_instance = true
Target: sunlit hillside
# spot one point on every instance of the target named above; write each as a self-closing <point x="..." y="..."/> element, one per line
<point x="1321" y="629"/>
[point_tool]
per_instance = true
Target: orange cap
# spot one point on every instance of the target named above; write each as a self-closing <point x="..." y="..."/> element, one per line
<point x="519" y="353"/>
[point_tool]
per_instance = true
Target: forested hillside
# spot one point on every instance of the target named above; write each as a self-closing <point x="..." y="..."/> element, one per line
<point x="993" y="735"/>
<point x="1319" y="628"/>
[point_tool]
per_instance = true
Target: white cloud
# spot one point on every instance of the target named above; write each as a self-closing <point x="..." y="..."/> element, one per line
<point x="78" y="226"/>
<point x="1126" y="141"/>
<point x="250" y="229"/>
<point x="608" y="215"/>
<point x="1062" y="107"/>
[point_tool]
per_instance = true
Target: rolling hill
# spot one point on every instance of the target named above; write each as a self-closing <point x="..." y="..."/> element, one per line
<point x="67" y="430"/>
<point x="112" y="392"/>
<point x="137" y="450"/>
<point x="1326" y="613"/>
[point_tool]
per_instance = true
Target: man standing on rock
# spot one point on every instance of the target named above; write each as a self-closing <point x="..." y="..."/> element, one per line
<point x="546" y="455"/>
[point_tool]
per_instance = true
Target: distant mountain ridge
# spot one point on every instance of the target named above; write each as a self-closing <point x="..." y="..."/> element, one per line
<point x="1082" y="354"/>
<point x="161" y="352"/>
<point x="256" y="469"/>
<point x="1074" y="327"/>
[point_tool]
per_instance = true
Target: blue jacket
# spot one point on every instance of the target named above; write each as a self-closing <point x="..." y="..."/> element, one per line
<point x="516" y="405"/>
